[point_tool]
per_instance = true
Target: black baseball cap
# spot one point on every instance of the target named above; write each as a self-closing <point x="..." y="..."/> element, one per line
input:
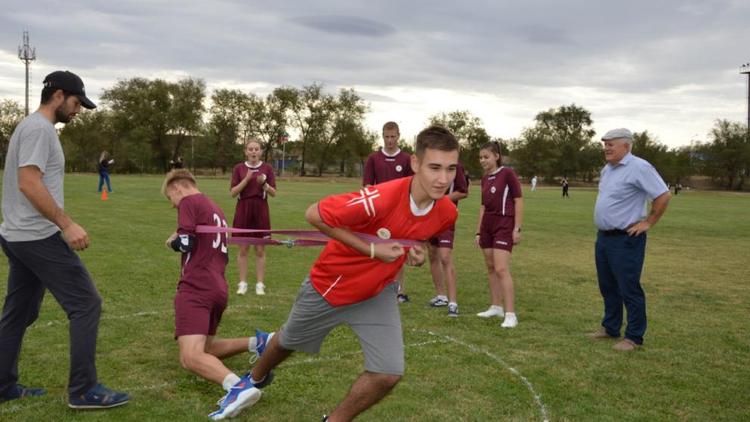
<point x="70" y="83"/>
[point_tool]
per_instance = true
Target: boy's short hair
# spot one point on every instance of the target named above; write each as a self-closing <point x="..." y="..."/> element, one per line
<point x="391" y="126"/>
<point x="182" y="176"/>
<point x="436" y="137"/>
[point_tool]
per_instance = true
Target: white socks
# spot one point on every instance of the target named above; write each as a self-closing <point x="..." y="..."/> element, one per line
<point x="510" y="320"/>
<point x="229" y="381"/>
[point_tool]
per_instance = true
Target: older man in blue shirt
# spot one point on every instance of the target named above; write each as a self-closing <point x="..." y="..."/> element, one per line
<point x="625" y="184"/>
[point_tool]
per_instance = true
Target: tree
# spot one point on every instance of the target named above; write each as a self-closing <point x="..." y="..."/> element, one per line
<point x="85" y="137"/>
<point x="148" y="113"/>
<point x="11" y="114"/>
<point x="569" y="128"/>
<point x="226" y="128"/>
<point x="727" y="158"/>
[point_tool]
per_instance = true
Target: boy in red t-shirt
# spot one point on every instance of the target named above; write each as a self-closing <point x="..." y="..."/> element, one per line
<point x="351" y="283"/>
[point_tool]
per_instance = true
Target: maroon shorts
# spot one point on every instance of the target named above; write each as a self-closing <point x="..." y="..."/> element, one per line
<point x="252" y="213"/>
<point x="444" y="239"/>
<point x="198" y="313"/>
<point x="496" y="232"/>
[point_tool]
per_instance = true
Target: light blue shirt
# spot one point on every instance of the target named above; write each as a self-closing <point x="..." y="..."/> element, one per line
<point x="623" y="191"/>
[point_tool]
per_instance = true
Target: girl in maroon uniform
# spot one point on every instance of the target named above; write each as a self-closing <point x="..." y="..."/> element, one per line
<point x="253" y="182"/>
<point x="500" y="218"/>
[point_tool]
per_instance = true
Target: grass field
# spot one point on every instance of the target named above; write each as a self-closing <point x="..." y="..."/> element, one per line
<point x="694" y="365"/>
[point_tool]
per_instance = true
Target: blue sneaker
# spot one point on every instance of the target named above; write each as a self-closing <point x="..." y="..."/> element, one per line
<point x="242" y="395"/>
<point x="19" y="391"/>
<point x="261" y="339"/>
<point x="99" y="397"/>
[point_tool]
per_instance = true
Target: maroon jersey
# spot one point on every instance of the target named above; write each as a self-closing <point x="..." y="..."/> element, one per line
<point x="203" y="267"/>
<point x="498" y="191"/>
<point x="459" y="183"/>
<point x="253" y="189"/>
<point x="381" y="167"/>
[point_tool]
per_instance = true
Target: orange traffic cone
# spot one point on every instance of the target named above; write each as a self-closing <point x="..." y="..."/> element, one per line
<point x="104" y="194"/>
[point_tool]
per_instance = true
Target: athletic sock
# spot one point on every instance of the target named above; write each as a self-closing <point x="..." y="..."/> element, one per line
<point x="252" y="380"/>
<point x="443" y="297"/>
<point x="252" y="342"/>
<point x="452" y="304"/>
<point x="230" y="380"/>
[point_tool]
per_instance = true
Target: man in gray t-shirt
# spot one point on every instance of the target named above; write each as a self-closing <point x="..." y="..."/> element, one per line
<point x="40" y="241"/>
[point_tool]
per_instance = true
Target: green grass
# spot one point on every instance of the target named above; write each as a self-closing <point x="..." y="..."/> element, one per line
<point x="694" y="365"/>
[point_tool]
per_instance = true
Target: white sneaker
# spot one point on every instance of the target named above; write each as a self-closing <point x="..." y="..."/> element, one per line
<point x="493" y="311"/>
<point x="242" y="288"/>
<point x="510" y="320"/>
<point x="260" y="289"/>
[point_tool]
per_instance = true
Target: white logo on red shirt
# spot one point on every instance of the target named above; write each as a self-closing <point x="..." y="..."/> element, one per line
<point x="384" y="233"/>
<point x="365" y="199"/>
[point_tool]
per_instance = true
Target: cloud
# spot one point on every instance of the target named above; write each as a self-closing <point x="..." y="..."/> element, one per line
<point x="346" y="25"/>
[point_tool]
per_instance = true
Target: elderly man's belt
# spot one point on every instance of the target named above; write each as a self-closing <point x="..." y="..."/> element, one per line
<point x="615" y="232"/>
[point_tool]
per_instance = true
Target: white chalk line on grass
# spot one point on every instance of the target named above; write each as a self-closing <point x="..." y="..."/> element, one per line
<point x="471" y="347"/>
<point x="475" y="349"/>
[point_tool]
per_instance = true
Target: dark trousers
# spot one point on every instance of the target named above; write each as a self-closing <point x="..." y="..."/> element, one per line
<point x="49" y="264"/>
<point x="104" y="177"/>
<point x="619" y="261"/>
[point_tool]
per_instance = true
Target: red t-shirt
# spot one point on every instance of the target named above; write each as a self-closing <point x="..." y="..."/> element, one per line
<point x="253" y="189"/>
<point x="203" y="267"/>
<point x="381" y="168"/>
<point x="498" y="191"/>
<point x="344" y="276"/>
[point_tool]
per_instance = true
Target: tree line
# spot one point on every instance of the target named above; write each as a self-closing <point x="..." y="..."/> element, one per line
<point x="148" y="123"/>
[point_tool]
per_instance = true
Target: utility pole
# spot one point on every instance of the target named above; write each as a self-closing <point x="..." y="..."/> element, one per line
<point x="745" y="70"/>
<point x="27" y="54"/>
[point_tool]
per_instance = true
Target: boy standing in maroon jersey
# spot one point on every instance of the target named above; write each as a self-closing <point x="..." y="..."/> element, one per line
<point x="202" y="294"/>
<point x="387" y="164"/>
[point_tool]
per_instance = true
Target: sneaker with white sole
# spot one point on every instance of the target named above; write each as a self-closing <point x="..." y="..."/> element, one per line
<point x="453" y="310"/>
<point x="438" y="301"/>
<point x="510" y="320"/>
<point x="242" y="288"/>
<point x="493" y="311"/>
<point x="260" y="289"/>
<point x="98" y="397"/>
<point x="241" y="395"/>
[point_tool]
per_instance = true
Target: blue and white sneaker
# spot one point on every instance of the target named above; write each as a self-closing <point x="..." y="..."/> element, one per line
<point x="98" y="397"/>
<point x="242" y="395"/>
<point x="261" y="341"/>
<point x="265" y="382"/>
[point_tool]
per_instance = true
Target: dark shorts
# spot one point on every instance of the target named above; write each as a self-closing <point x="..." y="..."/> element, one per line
<point x="444" y="239"/>
<point x="197" y="313"/>
<point x="252" y="213"/>
<point x="496" y="232"/>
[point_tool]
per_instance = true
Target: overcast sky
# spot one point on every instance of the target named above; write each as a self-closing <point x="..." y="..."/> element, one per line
<point x="669" y="67"/>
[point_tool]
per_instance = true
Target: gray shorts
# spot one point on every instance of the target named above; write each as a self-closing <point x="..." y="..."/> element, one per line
<point x="376" y="321"/>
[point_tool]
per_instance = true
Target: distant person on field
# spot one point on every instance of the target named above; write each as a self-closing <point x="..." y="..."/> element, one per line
<point x="440" y="250"/>
<point x="498" y="229"/>
<point x="202" y="294"/>
<point x="565" y="186"/>
<point x="533" y="183"/>
<point x="176" y="162"/>
<point x="104" y="162"/>
<point x="625" y="184"/>
<point x="387" y="164"/>
<point x="252" y="183"/>
<point x="677" y="188"/>
<point x="40" y="241"/>
<point x="352" y="281"/>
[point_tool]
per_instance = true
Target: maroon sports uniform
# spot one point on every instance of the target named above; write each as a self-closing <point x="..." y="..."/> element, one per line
<point x="445" y="239"/>
<point x="202" y="291"/>
<point x="498" y="191"/>
<point x="344" y="276"/>
<point x="381" y="167"/>
<point x="252" y="211"/>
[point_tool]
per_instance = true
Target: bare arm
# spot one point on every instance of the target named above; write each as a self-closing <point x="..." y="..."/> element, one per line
<point x="31" y="185"/>
<point x="456" y="196"/>
<point x="239" y="187"/>
<point x="479" y="224"/>
<point x="658" y="207"/>
<point x="518" y="203"/>
<point x="386" y="252"/>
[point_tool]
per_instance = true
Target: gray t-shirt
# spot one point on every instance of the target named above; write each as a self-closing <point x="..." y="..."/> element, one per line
<point x="34" y="143"/>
